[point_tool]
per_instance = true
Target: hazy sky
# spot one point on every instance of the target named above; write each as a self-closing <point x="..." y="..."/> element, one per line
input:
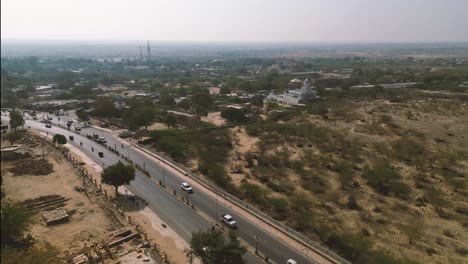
<point x="237" y="20"/>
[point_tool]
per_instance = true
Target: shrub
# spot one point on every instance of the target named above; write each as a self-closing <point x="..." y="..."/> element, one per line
<point x="408" y="150"/>
<point x="279" y="207"/>
<point x="254" y="193"/>
<point x="384" y="179"/>
<point x="15" y="221"/>
<point x="345" y="170"/>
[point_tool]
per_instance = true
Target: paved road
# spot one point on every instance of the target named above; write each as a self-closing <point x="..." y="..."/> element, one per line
<point x="180" y="217"/>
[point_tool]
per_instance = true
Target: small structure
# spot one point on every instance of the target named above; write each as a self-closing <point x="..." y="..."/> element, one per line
<point x="11" y="152"/>
<point x="214" y="90"/>
<point x="184" y="118"/>
<point x="56" y="216"/>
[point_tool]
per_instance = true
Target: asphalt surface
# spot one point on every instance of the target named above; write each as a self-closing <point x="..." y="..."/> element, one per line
<point x="177" y="215"/>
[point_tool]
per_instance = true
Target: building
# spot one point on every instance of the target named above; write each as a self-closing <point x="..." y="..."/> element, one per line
<point x="295" y="96"/>
<point x="184" y="118"/>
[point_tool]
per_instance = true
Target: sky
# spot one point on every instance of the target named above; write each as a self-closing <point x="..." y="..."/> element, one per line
<point x="285" y="21"/>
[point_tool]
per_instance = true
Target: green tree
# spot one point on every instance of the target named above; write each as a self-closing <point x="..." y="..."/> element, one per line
<point x="13" y="137"/>
<point x="60" y="139"/>
<point x="82" y="115"/>
<point x="257" y="100"/>
<point x="43" y="253"/>
<point x="16" y="119"/>
<point x="212" y="248"/>
<point x="118" y="175"/>
<point x="203" y="99"/>
<point x="233" y="115"/>
<point x="225" y="90"/>
<point x="142" y="116"/>
<point x="170" y="121"/>
<point x="104" y="107"/>
<point x="15" y="220"/>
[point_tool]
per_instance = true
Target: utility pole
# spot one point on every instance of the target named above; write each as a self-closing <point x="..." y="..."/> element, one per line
<point x="216" y="210"/>
<point x="256" y="244"/>
<point x="164" y="177"/>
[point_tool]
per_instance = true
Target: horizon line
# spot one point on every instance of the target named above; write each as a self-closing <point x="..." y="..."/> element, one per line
<point x="239" y="42"/>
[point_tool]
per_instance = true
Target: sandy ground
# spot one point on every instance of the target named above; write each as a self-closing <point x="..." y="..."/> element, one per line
<point x="87" y="223"/>
<point x="214" y="118"/>
<point x="157" y="126"/>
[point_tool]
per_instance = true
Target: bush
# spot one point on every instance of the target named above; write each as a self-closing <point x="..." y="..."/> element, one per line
<point x="279" y="207"/>
<point x="408" y="150"/>
<point x="384" y="179"/>
<point x="345" y="170"/>
<point x="254" y="193"/>
<point x="15" y="221"/>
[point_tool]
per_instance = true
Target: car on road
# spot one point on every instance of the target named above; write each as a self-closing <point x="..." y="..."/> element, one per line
<point x="228" y="220"/>
<point x="186" y="187"/>
<point x="48" y="125"/>
<point x="102" y="140"/>
<point x="77" y="128"/>
<point x="71" y="138"/>
<point x="101" y="154"/>
<point x="95" y="136"/>
<point x="291" y="261"/>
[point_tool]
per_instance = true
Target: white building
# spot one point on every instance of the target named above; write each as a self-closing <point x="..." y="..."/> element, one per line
<point x="293" y="97"/>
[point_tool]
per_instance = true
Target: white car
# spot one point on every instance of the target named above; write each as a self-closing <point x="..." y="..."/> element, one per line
<point x="186" y="187"/>
<point x="291" y="261"/>
<point x="228" y="220"/>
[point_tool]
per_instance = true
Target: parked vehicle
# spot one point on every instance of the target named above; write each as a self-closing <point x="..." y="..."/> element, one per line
<point x="291" y="261"/>
<point x="77" y="128"/>
<point x="71" y="138"/>
<point x="95" y="136"/>
<point x="48" y="125"/>
<point x="228" y="220"/>
<point x="102" y="140"/>
<point x="186" y="187"/>
<point x="101" y="154"/>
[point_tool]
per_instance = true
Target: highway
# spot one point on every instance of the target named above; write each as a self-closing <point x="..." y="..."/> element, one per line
<point x="181" y="218"/>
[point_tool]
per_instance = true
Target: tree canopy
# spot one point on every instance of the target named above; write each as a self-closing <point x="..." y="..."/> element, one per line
<point x="13" y="137"/>
<point x="104" y="107"/>
<point x="15" y="220"/>
<point x="233" y="115"/>
<point x="118" y="175"/>
<point x="59" y="138"/>
<point x="212" y="248"/>
<point x="16" y="119"/>
<point x="142" y="116"/>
